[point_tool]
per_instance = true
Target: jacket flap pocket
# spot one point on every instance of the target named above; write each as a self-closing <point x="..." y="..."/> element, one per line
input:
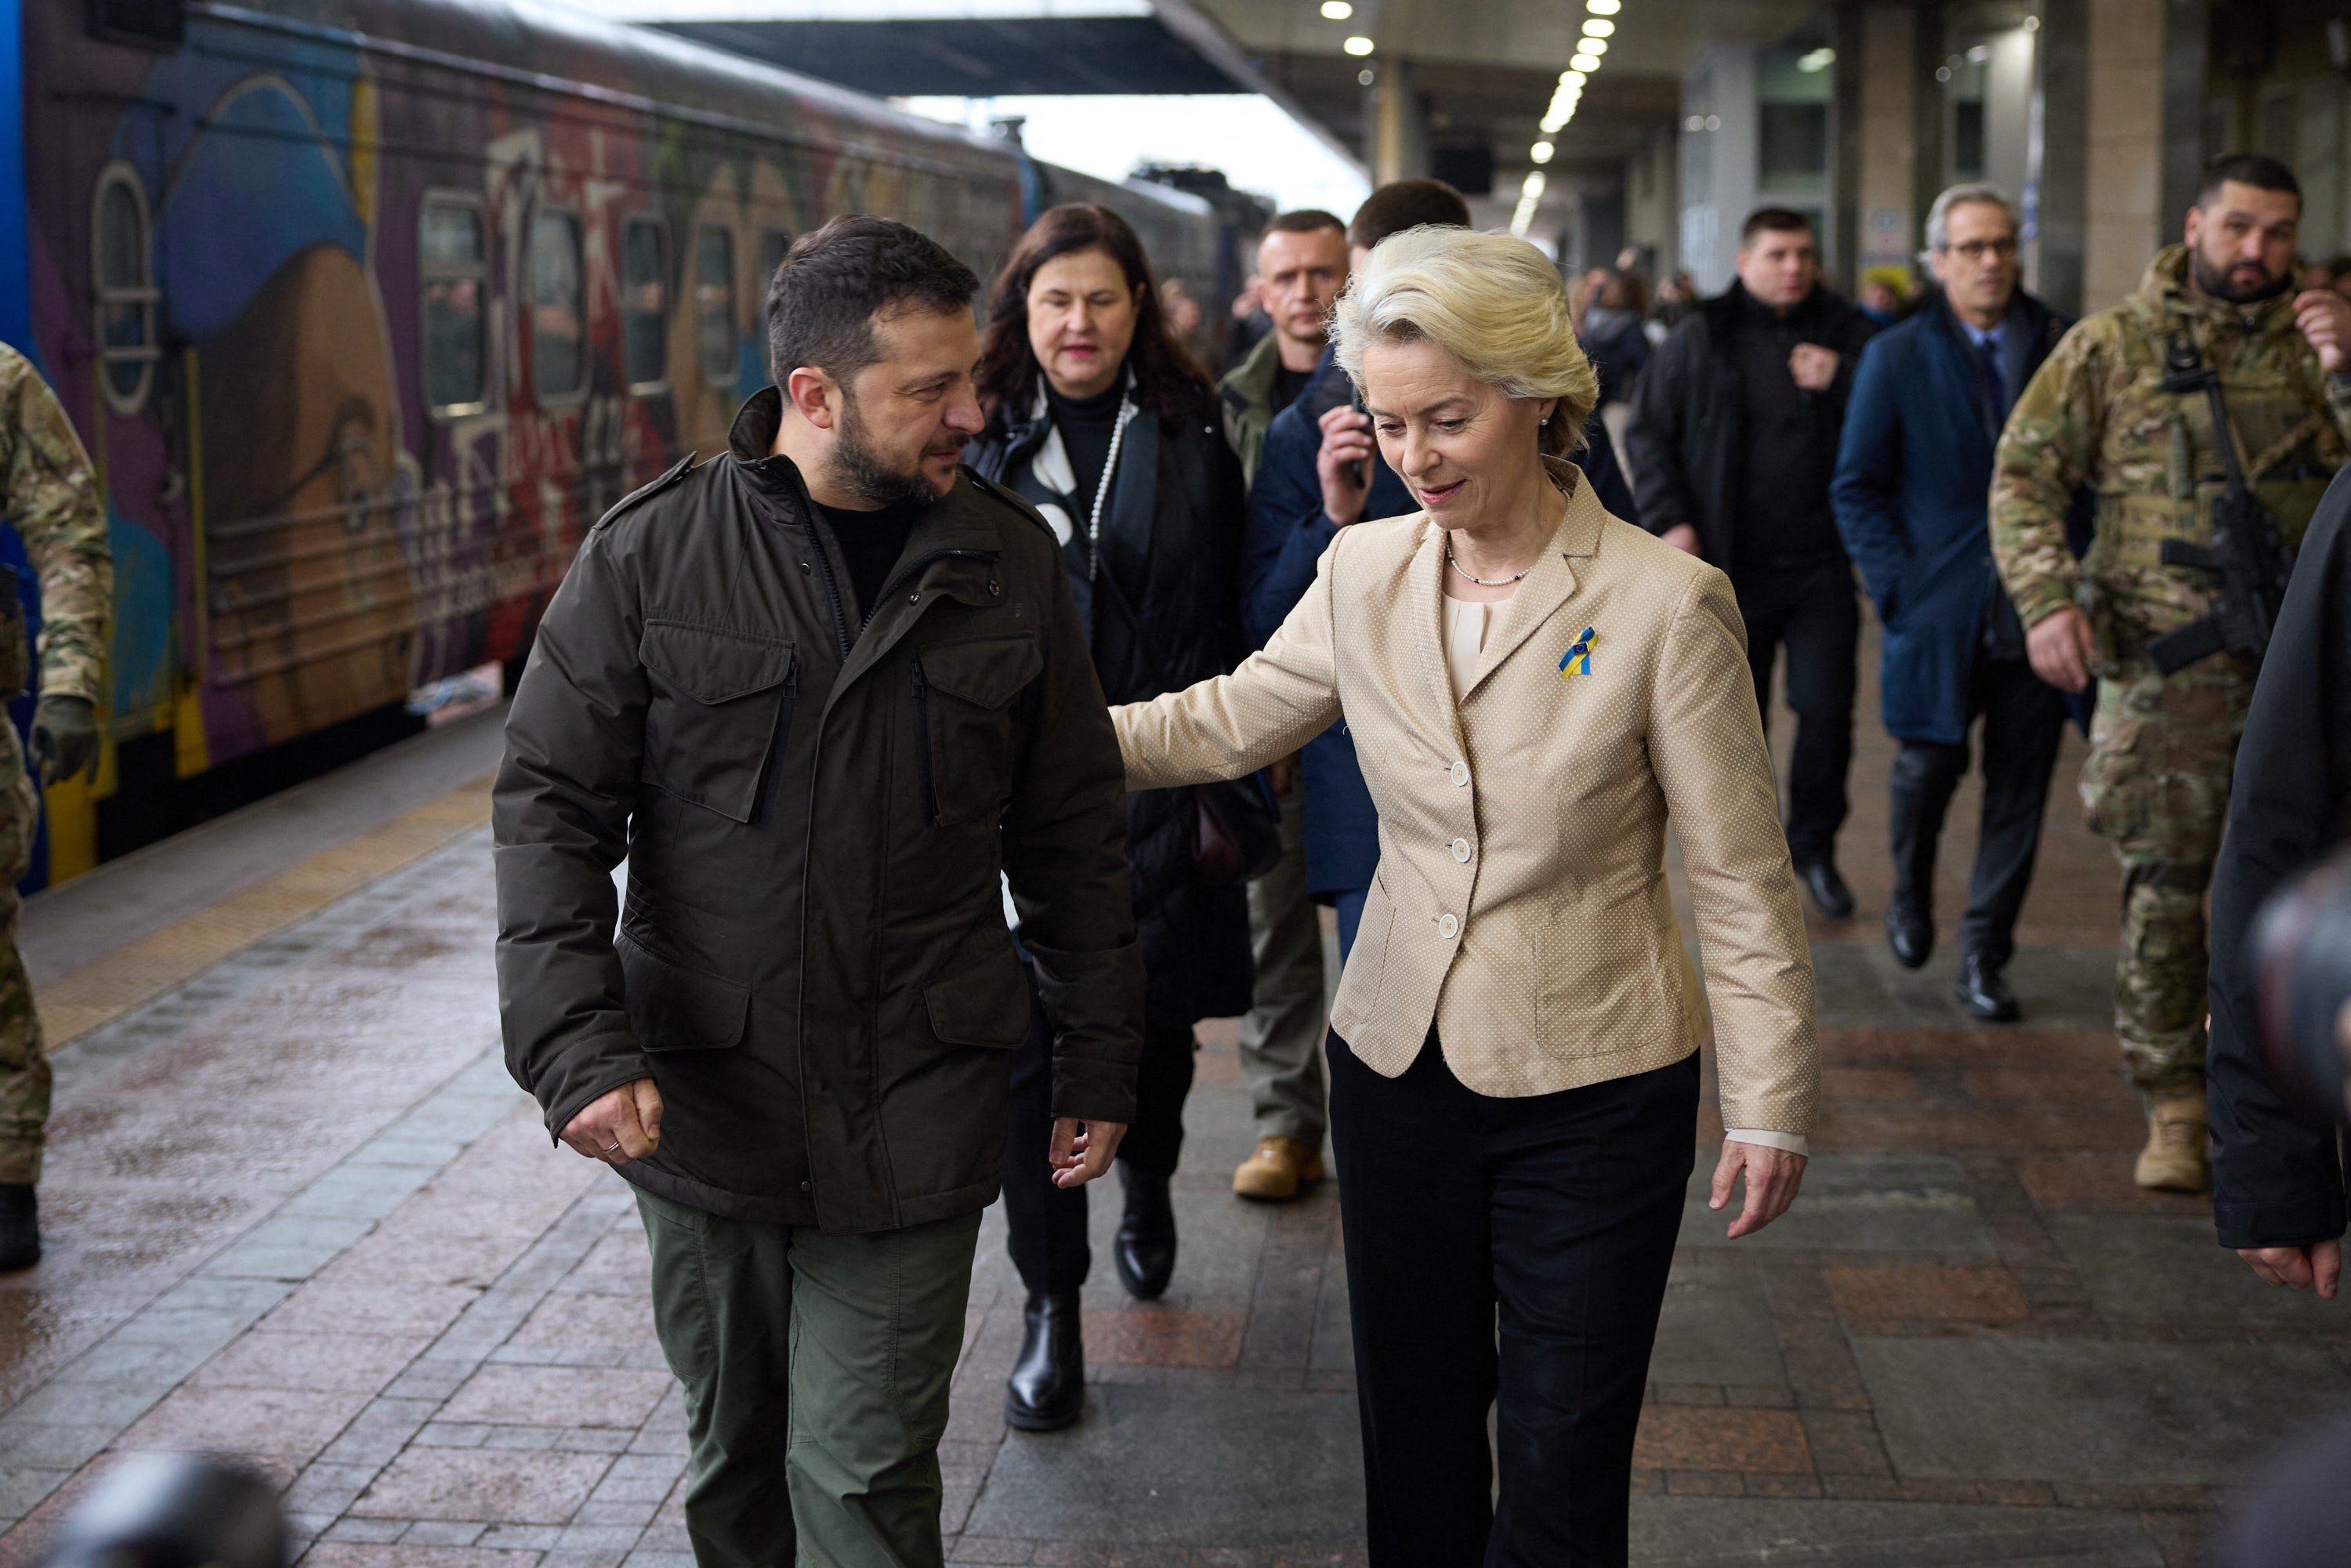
<point x="987" y="1004"/>
<point x="673" y="1008"/>
<point x="986" y="674"/>
<point x="713" y="666"/>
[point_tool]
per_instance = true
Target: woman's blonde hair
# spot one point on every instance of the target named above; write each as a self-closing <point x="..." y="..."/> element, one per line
<point x="1493" y="302"/>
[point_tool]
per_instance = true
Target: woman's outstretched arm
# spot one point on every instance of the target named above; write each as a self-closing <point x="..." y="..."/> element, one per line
<point x="1284" y="695"/>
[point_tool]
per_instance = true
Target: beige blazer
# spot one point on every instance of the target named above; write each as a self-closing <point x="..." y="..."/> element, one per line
<point x="1521" y="904"/>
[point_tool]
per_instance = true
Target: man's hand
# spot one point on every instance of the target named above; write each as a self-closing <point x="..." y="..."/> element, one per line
<point x="1682" y="536"/>
<point x="1345" y="464"/>
<point x="1082" y="1150"/>
<point x="2059" y="647"/>
<point x="1813" y="367"/>
<point x="65" y="738"/>
<point x="2324" y="317"/>
<point x="1772" y="1177"/>
<point x="620" y="1125"/>
<point x="2317" y="1267"/>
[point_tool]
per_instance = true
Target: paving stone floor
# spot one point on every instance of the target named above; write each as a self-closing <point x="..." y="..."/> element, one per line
<point x="299" y="1214"/>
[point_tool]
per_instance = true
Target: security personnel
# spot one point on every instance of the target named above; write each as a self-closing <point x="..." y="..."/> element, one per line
<point x="2161" y="748"/>
<point x="52" y="500"/>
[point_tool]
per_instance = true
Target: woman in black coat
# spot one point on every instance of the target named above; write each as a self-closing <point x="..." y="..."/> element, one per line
<point x="1100" y="419"/>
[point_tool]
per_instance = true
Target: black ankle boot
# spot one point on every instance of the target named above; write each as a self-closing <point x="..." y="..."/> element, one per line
<point x="20" y="1227"/>
<point x="1047" y="1389"/>
<point x="1146" y="1248"/>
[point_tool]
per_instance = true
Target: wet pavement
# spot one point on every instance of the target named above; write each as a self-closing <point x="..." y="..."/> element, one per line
<point x="297" y="1212"/>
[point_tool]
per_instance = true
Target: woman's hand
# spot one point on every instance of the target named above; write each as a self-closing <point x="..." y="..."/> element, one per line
<point x="1772" y="1177"/>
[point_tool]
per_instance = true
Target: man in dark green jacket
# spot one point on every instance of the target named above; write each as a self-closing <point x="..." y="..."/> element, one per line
<point x="828" y="696"/>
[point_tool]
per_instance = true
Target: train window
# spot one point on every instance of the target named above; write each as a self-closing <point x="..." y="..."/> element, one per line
<point x="773" y="245"/>
<point x="123" y="288"/>
<point x="644" y="303"/>
<point x="713" y="302"/>
<point x="559" y="305"/>
<point x="453" y="273"/>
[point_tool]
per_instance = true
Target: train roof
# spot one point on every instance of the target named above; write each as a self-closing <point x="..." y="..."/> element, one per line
<point x="559" y="49"/>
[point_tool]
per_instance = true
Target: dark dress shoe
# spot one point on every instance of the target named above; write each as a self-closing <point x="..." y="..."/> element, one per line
<point x="1983" y="991"/>
<point x="1145" y="1246"/>
<point x="1910" y="932"/>
<point x="20" y="1227"/>
<point x="1828" y="889"/>
<point x="1047" y="1389"/>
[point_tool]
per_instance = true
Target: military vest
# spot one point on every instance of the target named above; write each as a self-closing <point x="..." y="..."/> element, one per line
<point x="2160" y="470"/>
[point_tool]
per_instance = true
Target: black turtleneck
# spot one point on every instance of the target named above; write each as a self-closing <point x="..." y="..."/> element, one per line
<point x="1086" y="425"/>
<point x="871" y="542"/>
<point x="1784" y="522"/>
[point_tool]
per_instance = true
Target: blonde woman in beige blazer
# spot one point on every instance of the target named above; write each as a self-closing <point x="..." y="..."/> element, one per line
<point x="1536" y="690"/>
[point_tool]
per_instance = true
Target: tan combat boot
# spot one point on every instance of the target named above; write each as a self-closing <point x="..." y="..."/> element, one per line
<point x="2175" y="1158"/>
<point x="1280" y="1170"/>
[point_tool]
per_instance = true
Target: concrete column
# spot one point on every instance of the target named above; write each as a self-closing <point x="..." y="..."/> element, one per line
<point x="1652" y="216"/>
<point x="1882" y="152"/>
<point x="2056" y="191"/>
<point x="2144" y="138"/>
<point x="1717" y="160"/>
<point x="1399" y="149"/>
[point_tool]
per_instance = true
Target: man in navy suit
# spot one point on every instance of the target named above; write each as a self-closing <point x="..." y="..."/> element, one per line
<point x="1913" y="478"/>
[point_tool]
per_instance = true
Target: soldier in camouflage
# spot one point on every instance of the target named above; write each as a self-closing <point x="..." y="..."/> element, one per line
<point x="51" y="498"/>
<point x="2162" y="748"/>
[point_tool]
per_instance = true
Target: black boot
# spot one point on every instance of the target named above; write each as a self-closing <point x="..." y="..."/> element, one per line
<point x="1983" y="991"/>
<point x="1047" y="1389"/>
<point x="1828" y="889"/>
<point x="1145" y="1246"/>
<point x="20" y="1227"/>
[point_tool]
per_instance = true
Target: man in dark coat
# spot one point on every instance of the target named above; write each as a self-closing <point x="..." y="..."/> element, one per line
<point x="1733" y="440"/>
<point x="1302" y="496"/>
<point x="825" y="694"/>
<point x="1912" y="487"/>
<point x="2277" y="1167"/>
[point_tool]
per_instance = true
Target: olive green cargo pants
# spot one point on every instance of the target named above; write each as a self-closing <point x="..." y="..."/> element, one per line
<point x="816" y="1371"/>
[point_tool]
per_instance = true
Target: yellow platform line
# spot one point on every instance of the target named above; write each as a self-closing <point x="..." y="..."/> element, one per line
<point x="100" y="992"/>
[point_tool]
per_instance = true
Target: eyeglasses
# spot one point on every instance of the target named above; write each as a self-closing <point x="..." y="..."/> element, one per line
<point x="1977" y="249"/>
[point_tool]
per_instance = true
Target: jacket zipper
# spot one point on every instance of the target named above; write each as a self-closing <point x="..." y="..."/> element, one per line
<point x="923" y="744"/>
<point x="831" y="594"/>
<point x="782" y="737"/>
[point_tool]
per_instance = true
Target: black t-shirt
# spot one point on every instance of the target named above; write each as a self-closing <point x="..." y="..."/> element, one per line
<point x="1784" y="522"/>
<point x="871" y="542"/>
<point x="1086" y="425"/>
<point x="1288" y="383"/>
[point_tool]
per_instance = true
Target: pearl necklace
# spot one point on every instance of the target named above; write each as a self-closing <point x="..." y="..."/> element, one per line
<point x="1481" y="581"/>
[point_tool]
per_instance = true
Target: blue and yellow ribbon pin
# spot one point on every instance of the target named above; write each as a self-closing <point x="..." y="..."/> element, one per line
<point x="1577" y="660"/>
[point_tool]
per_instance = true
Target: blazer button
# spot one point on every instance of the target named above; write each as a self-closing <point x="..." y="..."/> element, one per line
<point x="1462" y="851"/>
<point x="1461" y="774"/>
<point x="1447" y="928"/>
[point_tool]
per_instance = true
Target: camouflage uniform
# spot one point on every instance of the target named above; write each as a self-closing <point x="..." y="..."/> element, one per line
<point x="2161" y="750"/>
<point x="51" y="499"/>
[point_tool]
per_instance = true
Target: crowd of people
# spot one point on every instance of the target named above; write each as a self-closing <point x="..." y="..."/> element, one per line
<point x="1011" y="696"/>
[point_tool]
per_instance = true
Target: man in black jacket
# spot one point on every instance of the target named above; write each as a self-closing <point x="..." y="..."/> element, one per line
<point x="822" y="693"/>
<point x="1732" y="441"/>
<point x="2277" y="1168"/>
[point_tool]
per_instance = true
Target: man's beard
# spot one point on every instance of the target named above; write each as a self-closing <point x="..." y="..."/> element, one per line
<point x="2217" y="282"/>
<point x="867" y="475"/>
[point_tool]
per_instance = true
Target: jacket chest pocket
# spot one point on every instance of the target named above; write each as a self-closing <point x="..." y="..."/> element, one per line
<point x="963" y="710"/>
<point x="722" y="703"/>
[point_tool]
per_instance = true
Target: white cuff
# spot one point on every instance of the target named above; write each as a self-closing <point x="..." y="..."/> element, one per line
<point x="1793" y="1143"/>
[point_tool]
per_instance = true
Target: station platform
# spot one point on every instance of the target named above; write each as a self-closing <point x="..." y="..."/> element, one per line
<point x="297" y="1212"/>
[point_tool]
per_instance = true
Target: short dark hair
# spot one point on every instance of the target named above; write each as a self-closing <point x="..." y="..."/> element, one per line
<point x="837" y="280"/>
<point x="2258" y="169"/>
<point x="1401" y="205"/>
<point x="1775" y="220"/>
<point x="1304" y="221"/>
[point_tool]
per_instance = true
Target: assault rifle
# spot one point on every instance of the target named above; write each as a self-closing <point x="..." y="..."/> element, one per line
<point x="2248" y="554"/>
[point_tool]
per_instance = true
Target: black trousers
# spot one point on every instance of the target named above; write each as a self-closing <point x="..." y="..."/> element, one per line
<point x="1560" y="1209"/>
<point x="1045" y="1225"/>
<point x="2023" y="721"/>
<point x="1815" y="614"/>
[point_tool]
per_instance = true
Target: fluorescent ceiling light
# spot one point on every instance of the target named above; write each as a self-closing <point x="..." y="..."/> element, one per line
<point x="1358" y="44"/>
<point x="1593" y="46"/>
<point x="1598" y="27"/>
<point x="1533" y="188"/>
<point x="1604" y="8"/>
<point x="1336" y="10"/>
<point x="1540" y="151"/>
<point x="1586" y="62"/>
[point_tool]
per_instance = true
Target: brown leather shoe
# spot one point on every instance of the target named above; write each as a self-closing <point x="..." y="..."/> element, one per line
<point x="1280" y="1170"/>
<point x="2175" y="1158"/>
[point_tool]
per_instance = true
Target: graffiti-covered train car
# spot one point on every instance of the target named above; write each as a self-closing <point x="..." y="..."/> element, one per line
<point x="367" y="309"/>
